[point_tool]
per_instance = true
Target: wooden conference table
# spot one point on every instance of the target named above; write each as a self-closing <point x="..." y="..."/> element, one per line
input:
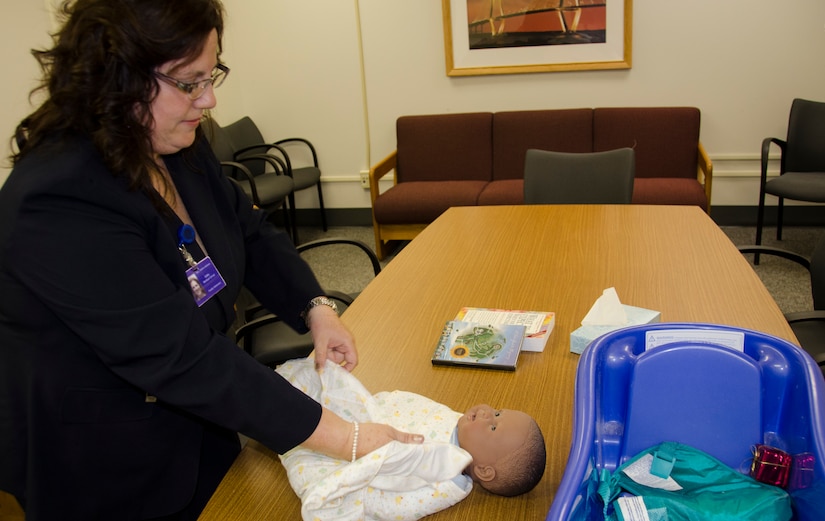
<point x="543" y="258"/>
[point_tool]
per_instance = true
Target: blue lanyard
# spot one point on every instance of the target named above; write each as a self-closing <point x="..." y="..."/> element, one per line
<point x="186" y="235"/>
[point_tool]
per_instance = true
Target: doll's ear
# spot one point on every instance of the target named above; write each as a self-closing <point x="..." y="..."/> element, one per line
<point x="484" y="473"/>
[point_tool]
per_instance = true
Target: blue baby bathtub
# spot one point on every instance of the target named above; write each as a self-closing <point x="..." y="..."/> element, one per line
<point x="694" y="387"/>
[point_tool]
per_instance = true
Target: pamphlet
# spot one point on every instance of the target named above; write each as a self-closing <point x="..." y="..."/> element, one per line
<point x="538" y="324"/>
<point x="490" y="346"/>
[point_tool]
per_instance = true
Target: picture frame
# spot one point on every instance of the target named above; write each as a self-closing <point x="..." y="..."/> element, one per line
<point x="490" y="44"/>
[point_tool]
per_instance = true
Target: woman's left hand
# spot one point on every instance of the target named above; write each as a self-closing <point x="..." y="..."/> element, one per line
<point x="332" y="340"/>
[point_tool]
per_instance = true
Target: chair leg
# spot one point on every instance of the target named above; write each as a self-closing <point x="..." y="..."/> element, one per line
<point x="760" y="220"/>
<point x="779" y="211"/>
<point x="321" y="205"/>
<point x="294" y="218"/>
<point x="380" y="250"/>
<point x="288" y="219"/>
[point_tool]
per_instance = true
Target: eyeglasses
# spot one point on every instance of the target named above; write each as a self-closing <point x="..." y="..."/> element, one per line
<point x="195" y="90"/>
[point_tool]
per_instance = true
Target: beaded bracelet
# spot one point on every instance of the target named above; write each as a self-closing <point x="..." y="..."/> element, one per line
<point x="354" y="440"/>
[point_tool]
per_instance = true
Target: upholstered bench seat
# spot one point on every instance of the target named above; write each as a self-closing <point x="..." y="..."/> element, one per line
<point x="669" y="190"/>
<point x="424" y="201"/>
<point x="502" y="191"/>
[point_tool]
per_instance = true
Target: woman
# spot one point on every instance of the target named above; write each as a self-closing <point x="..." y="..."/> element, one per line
<point x="120" y="395"/>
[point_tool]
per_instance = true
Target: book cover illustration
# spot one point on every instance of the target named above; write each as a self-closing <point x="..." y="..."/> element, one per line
<point x="480" y="345"/>
<point x="538" y="324"/>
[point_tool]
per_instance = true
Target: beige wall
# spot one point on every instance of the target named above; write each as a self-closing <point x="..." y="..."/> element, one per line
<point x="24" y="24"/>
<point x="296" y="69"/>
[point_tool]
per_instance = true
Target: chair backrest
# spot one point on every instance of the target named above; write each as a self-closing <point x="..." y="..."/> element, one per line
<point x="348" y="264"/>
<point x="244" y="133"/>
<point x="353" y="264"/>
<point x="583" y="178"/>
<point x="806" y="134"/>
<point x="220" y="143"/>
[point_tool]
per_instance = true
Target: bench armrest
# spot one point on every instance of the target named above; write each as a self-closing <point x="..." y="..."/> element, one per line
<point x="705" y="172"/>
<point x="378" y="171"/>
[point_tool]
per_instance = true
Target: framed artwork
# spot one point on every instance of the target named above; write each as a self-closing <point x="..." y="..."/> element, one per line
<point x="521" y="36"/>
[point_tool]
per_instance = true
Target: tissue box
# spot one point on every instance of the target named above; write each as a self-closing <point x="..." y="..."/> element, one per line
<point x="581" y="338"/>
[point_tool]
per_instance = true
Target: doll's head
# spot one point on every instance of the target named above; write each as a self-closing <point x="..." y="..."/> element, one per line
<point x="507" y="447"/>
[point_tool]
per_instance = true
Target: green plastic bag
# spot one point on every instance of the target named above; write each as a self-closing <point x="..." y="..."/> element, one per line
<point x="674" y="482"/>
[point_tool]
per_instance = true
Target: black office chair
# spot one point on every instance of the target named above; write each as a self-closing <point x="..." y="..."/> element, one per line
<point x="579" y="178"/>
<point x="802" y="163"/>
<point x="270" y="340"/>
<point x="808" y="326"/>
<point x="249" y="140"/>
<point x="266" y="188"/>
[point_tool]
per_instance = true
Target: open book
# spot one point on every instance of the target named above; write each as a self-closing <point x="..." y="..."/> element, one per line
<point x="538" y="324"/>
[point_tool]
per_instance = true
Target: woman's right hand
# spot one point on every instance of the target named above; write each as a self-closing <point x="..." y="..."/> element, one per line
<point x="335" y="437"/>
<point x="372" y="436"/>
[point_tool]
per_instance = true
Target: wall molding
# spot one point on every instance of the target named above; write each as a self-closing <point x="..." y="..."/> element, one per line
<point x="742" y="165"/>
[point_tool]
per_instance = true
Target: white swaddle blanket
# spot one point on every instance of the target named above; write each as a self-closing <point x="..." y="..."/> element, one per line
<point x="398" y="481"/>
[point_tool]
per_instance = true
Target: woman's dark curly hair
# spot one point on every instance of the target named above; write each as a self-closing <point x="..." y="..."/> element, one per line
<point x="99" y="76"/>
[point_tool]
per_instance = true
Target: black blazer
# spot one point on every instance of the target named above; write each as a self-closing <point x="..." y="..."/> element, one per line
<point x="96" y="313"/>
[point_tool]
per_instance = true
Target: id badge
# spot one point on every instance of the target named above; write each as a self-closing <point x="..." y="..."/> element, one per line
<point x="205" y="280"/>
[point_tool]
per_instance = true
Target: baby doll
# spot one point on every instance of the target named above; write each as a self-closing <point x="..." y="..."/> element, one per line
<point x="500" y="449"/>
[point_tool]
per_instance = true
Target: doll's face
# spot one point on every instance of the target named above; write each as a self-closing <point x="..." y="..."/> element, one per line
<point x="491" y="434"/>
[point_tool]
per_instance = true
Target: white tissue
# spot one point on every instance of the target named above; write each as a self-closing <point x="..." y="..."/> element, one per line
<point x="606" y="311"/>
